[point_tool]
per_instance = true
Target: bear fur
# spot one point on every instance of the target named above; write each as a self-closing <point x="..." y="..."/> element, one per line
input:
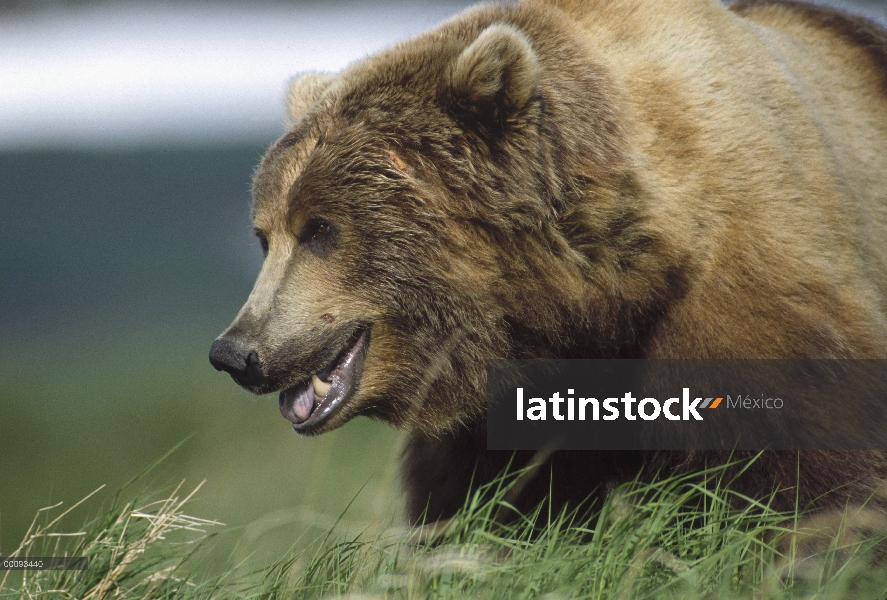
<point x="572" y="179"/>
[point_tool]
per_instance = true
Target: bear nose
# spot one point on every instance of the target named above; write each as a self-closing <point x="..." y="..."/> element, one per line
<point x="229" y="355"/>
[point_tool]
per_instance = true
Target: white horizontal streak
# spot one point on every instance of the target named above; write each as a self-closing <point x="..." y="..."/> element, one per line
<point x="166" y="73"/>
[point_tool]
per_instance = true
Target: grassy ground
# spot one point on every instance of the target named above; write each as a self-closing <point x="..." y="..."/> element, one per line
<point x="675" y="539"/>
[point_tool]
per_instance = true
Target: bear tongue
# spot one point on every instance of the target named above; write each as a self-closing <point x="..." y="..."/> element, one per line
<point x="297" y="404"/>
<point x="323" y="392"/>
<point x="304" y="406"/>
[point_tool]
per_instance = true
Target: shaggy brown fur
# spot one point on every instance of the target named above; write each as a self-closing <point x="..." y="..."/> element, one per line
<point x="609" y="178"/>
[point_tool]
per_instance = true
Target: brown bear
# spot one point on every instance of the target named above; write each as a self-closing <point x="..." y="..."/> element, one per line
<point x="569" y="179"/>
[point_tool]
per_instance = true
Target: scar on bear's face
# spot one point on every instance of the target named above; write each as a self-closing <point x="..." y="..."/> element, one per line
<point x="399" y="162"/>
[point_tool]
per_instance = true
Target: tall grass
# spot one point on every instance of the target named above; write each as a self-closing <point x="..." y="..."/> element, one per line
<point x="679" y="537"/>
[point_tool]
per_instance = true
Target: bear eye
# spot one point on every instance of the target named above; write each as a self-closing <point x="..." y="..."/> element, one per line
<point x="318" y="235"/>
<point x="320" y="229"/>
<point x="263" y="242"/>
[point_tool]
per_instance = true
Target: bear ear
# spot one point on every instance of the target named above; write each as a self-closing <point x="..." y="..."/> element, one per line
<point x="304" y="90"/>
<point x="496" y="77"/>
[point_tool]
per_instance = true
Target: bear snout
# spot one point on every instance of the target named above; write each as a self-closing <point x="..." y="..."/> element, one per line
<point x="229" y="355"/>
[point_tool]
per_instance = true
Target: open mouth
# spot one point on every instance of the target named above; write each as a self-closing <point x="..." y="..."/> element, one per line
<point x="310" y="404"/>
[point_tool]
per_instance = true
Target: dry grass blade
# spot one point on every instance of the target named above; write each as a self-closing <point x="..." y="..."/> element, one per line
<point x="35" y="532"/>
<point x="117" y="545"/>
<point x="168" y="517"/>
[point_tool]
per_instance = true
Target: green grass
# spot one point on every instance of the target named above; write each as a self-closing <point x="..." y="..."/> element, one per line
<point x="99" y="417"/>
<point x="681" y="537"/>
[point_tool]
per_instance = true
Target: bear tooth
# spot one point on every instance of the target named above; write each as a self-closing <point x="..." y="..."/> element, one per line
<point x="321" y="388"/>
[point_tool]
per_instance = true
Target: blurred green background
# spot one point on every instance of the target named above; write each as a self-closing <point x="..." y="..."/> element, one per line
<point x="117" y="270"/>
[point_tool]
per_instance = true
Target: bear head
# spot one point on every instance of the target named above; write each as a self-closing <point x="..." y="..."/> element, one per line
<point x="428" y="211"/>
